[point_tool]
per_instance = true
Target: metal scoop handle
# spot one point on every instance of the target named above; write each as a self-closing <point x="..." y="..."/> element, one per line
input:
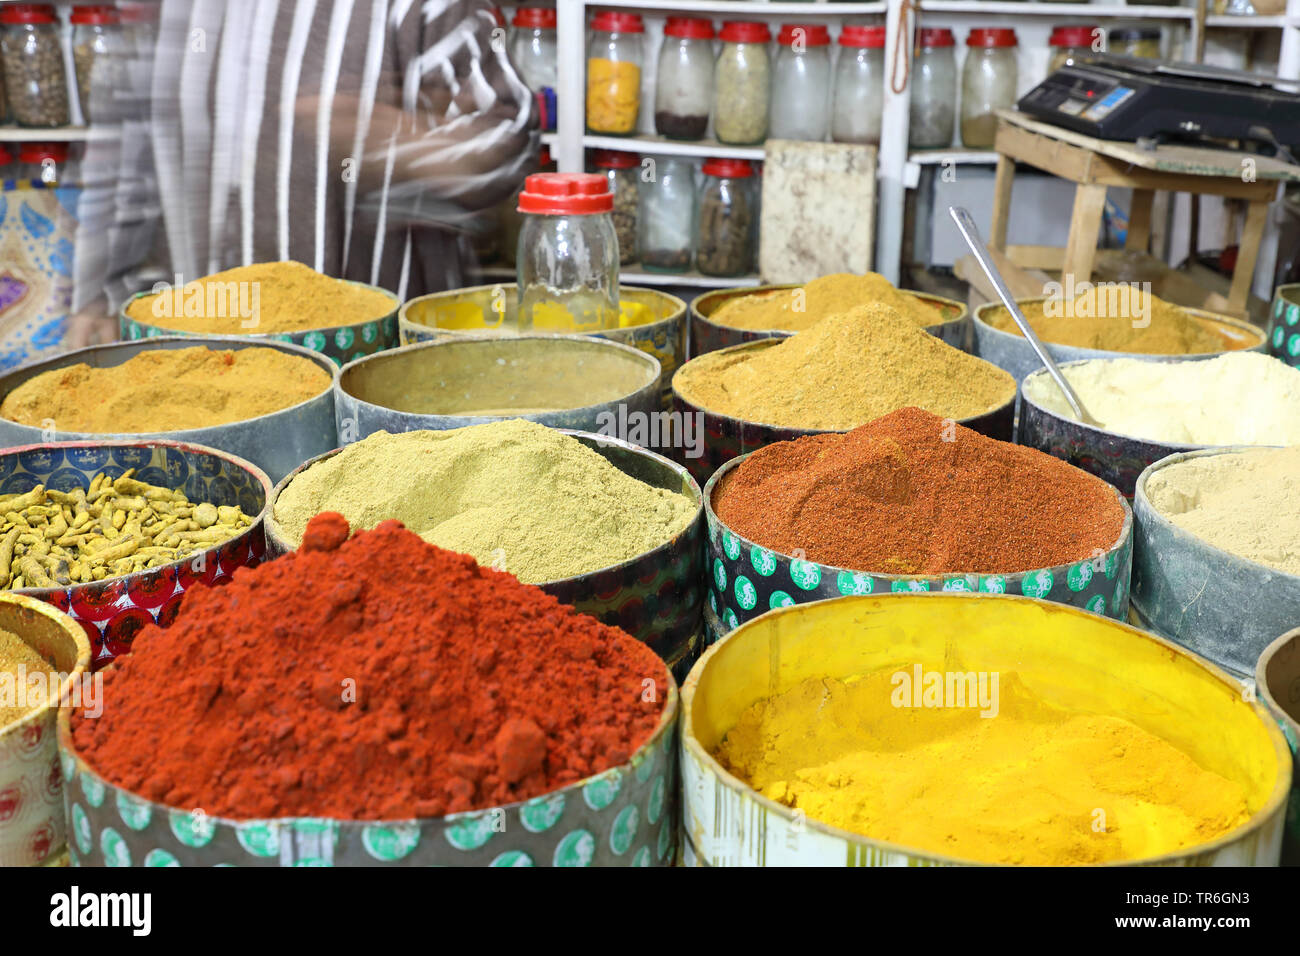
<point x="972" y="236"/>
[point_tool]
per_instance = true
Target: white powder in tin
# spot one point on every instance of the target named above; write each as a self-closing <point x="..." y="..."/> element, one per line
<point x="1247" y="503"/>
<point x="1242" y="398"/>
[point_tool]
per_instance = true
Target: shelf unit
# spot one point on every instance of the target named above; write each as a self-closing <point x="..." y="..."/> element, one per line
<point x="899" y="168"/>
<point x="60" y="134"/>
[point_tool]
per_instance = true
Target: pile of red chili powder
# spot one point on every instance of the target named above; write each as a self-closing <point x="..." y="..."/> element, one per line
<point x="911" y="493"/>
<point x="370" y="678"/>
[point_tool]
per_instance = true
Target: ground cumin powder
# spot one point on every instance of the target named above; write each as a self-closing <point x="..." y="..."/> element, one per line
<point x="793" y="310"/>
<point x="1021" y="787"/>
<point x="288" y="297"/>
<point x="516" y="495"/>
<point x="912" y="494"/>
<point x="846" y="370"/>
<point x="166" y="390"/>
<point x="1103" y="318"/>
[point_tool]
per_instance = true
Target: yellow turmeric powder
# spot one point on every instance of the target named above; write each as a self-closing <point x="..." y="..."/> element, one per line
<point x="264" y="297"/>
<point x="1013" y="779"/>
<point x="793" y="310"/>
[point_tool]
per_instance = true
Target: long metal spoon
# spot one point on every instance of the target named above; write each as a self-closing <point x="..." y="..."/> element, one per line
<point x="972" y="236"/>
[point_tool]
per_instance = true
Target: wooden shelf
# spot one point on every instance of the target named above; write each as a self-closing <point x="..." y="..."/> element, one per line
<point x="1228" y="22"/>
<point x="704" y="148"/>
<point x="735" y="9"/>
<point x="61" y="134"/>
<point x="962" y="157"/>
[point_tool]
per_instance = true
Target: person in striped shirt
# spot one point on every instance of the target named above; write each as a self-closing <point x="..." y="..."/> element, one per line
<point x="365" y="138"/>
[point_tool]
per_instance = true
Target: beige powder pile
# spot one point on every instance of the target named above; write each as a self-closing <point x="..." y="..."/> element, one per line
<point x="1246" y="503"/>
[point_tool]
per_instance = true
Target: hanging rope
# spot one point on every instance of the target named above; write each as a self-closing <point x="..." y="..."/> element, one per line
<point x="901" y="50"/>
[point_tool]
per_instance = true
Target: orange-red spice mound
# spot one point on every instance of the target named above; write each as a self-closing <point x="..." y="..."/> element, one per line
<point x="912" y="493"/>
<point x="375" y="678"/>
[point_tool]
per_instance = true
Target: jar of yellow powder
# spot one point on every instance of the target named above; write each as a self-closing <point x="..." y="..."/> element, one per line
<point x="614" y="73"/>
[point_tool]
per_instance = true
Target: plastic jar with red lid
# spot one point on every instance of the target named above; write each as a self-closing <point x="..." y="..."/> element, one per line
<point x="742" y="83"/>
<point x="36" y="83"/>
<point x="684" y="81"/>
<point x="989" y="79"/>
<point x="933" y="105"/>
<point x="567" y="257"/>
<point x="727" y="236"/>
<point x="614" y="60"/>
<point x="858" y="90"/>
<point x="801" y="83"/>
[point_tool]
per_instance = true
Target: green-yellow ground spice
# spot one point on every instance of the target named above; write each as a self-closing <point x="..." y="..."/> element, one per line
<point x="515" y="495"/>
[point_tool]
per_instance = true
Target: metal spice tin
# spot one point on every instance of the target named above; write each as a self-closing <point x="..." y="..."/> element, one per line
<point x="1284" y="324"/>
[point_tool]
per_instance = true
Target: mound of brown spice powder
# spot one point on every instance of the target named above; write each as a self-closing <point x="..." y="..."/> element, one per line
<point x="911" y="493"/>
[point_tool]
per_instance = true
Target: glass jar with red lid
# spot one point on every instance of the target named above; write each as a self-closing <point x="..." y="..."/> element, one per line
<point x="623" y="172"/>
<point x="684" y="80"/>
<point x="742" y="83"/>
<point x="933" y="105"/>
<point x="1069" y="42"/>
<point x="567" y="258"/>
<point x="801" y="83"/>
<point x="858" y="90"/>
<point x="44" y="163"/>
<point x="614" y="60"/>
<point x="98" y="55"/>
<point x="36" y="83"/>
<point x="989" y="79"/>
<point x="728" y="218"/>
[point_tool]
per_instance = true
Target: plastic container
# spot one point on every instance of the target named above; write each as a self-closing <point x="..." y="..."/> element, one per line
<point x="801" y="81"/>
<point x="567" y="258"/>
<point x="623" y="172"/>
<point x="933" y="108"/>
<point x="43" y="162"/>
<point x="666" y="224"/>
<point x="858" y="90"/>
<point x="98" y="55"/>
<point x="684" y="81"/>
<point x="614" y="73"/>
<point x="532" y="47"/>
<point x="36" y="83"/>
<point x="1135" y="41"/>
<point x="742" y="83"/>
<point x="1069" y="42"/>
<point x="728" y="217"/>
<point x="988" y="83"/>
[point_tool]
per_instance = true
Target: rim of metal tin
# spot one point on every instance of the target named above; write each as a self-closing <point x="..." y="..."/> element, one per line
<point x="1288" y="292"/>
<point x="768" y="343"/>
<point x="319" y="359"/>
<point x="404" y="318"/>
<point x="74" y="630"/>
<point x="1266" y="656"/>
<point x="741" y="291"/>
<point x="666" y="725"/>
<point x="1276" y="800"/>
<point x="1106" y="432"/>
<point x="193" y="447"/>
<point x="326" y="330"/>
<point x="275" y="533"/>
<point x="585" y="341"/>
<point x="1125" y="533"/>
<point x="1140" y="496"/>
<point x="984" y="326"/>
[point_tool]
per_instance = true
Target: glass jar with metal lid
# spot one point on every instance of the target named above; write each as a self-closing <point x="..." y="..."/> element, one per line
<point x="684" y="80"/>
<point x="742" y="83"/>
<point x="567" y="258"/>
<point x="989" y="78"/>
<point x="801" y="81"/>
<point x="614" y="61"/>
<point x="36" y="83"/>
<point x="858" y="91"/>
<point x="933" y="105"/>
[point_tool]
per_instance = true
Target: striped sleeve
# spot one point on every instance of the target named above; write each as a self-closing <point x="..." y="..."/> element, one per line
<point x="472" y="129"/>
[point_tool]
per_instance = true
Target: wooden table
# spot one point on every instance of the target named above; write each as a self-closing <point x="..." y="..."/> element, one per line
<point x="1096" y="164"/>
